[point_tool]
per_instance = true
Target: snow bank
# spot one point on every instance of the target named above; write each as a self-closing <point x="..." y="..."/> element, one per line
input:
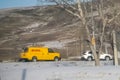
<point x="64" y="70"/>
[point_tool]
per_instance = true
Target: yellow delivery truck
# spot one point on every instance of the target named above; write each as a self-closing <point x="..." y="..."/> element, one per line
<point x="39" y="53"/>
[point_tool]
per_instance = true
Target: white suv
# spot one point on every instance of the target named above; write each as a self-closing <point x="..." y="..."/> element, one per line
<point x="89" y="56"/>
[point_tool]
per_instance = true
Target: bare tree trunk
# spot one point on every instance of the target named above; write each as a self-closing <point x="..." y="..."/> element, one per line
<point x="93" y="47"/>
<point x="96" y="55"/>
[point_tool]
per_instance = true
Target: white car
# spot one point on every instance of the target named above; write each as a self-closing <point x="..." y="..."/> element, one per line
<point x="89" y="56"/>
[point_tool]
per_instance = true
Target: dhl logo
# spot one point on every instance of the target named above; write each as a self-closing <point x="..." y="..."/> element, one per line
<point x="35" y="50"/>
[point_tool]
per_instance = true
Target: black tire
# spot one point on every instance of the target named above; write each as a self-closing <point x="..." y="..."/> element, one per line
<point x="107" y="58"/>
<point x="34" y="59"/>
<point x="56" y="59"/>
<point x="89" y="58"/>
<point x="22" y="60"/>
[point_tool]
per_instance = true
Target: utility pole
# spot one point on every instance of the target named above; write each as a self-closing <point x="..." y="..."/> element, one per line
<point x="115" y="49"/>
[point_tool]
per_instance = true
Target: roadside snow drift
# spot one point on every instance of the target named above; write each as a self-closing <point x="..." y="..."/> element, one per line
<point x="64" y="70"/>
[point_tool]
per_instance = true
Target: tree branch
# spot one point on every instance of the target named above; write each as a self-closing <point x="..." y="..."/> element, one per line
<point x="109" y="21"/>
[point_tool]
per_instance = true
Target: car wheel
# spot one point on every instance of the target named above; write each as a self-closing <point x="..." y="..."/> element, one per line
<point x="107" y="58"/>
<point x="56" y="59"/>
<point x="89" y="58"/>
<point x="34" y="59"/>
<point x="23" y="60"/>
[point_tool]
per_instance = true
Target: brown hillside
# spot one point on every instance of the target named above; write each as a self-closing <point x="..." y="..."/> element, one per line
<point x="49" y="26"/>
<point x="46" y="26"/>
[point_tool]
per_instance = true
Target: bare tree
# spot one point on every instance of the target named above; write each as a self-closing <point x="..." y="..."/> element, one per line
<point x="86" y="10"/>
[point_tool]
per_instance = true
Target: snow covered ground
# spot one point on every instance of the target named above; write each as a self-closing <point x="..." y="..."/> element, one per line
<point x="63" y="70"/>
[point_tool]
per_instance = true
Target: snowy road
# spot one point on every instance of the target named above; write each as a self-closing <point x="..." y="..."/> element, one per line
<point x="63" y="70"/>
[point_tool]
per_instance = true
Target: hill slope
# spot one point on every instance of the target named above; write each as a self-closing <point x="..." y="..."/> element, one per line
<point x="45" y="26"/>
<point x="48" y="26"/>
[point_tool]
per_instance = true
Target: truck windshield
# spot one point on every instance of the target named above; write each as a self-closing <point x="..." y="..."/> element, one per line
<point x="50" y="50"/>
<point x="25" y="49"/>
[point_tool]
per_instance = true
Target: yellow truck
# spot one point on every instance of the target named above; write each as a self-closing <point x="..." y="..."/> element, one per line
<point x="39" y="53"/>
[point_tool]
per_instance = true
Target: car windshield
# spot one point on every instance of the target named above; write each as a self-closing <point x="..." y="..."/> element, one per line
<point x="90" y="52"/>
<point x="25" y="49"/>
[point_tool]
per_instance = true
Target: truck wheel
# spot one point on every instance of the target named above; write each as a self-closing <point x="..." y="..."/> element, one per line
<point x="89" y="58"/>
<point x="107" y="58"/>
<point x="34" y="59"/>
<point x="56" y="59"/>
<point x="23" y="60"/>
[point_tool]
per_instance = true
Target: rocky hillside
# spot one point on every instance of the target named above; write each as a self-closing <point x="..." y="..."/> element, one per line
<point x="48" y="26"/>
